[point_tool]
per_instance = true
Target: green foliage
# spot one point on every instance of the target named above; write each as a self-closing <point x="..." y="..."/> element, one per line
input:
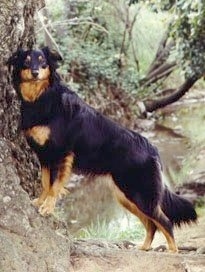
<point x="110" y="44"/>
<point x="155" y="4"/>
<point x="189" y="33"/>
<point x="96" y="65"/>
<point x="200" y="203"/>
<point x="97" y="47"/>
<point x="96" y="53"/>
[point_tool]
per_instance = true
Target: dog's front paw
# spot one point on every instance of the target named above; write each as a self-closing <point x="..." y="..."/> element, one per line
<point x="63" y="192"/>
<point x="48" y="206"/>
<point x="37" y="202"/>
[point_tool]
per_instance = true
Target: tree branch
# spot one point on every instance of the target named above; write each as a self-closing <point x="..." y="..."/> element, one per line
<point x="162" y="71"/>
<point x="153" y="105"/>
<point x="163" y="51"/>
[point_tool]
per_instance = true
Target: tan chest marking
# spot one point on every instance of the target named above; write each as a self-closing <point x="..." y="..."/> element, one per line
<point x="40" y="134"/>
<point x="31" y="90"/>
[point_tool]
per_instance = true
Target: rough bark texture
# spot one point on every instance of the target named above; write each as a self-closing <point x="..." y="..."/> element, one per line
<point x="16" y="29"/>
<point x="161" y="67"/>
<point x="28" y="242"/>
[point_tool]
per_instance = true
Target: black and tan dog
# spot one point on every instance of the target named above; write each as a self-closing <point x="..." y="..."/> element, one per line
<point x="68" y="135"/>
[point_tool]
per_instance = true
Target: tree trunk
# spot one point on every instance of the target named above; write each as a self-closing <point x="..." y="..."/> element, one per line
<point x="28" y="242"/>
<point x="16" y="29"/>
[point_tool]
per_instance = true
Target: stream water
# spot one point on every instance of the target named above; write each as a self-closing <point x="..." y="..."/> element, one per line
<point x="91" y="210"/>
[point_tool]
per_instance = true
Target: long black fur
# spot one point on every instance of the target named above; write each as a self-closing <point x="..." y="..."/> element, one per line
<point x="100" y="146"/>
<point x="178" y="209"/>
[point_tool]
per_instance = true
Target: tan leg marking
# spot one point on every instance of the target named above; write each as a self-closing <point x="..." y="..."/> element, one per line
<point x="147" y="222"/>
<point x="170" y="240"/>
<point x="136" y="211"/>
<point x="57" y="189"/>
<point x="40" y="134"/>
<point x="150" y="232"/>
<point x="63" y="192"/>
<point x="45" y="180"/>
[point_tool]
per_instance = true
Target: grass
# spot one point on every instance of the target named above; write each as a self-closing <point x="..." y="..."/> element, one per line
<point x="200" y="208"/>
<point x="124" y="228"/>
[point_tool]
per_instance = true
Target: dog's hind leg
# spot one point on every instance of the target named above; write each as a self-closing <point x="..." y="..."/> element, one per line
<point x="163" y="224"/>
<point x="150" y="232"/>
<point x="63" y="173"/>
<point x="166" y="227"/>
<point x="155" y="220"/>
<point x="146" y="221"/>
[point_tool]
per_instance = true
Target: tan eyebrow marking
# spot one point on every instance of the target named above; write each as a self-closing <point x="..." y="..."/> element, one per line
<point x="28" y="58"/>
<point x="40" y="58"/>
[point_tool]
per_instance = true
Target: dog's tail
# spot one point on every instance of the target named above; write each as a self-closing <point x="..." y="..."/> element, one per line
<point x="178" y="209"/>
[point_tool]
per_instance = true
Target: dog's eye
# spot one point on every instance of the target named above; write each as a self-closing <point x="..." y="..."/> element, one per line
<point x="27" y="62"/>
<point x="44" y="65"/>
<point x="41" y="59"/>
<point x="42" y="62"/>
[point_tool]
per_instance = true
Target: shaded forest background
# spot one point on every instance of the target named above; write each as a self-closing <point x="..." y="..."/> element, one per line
<point x="127" y="58"/>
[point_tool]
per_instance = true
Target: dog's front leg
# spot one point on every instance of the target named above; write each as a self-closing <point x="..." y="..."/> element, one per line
<point x="45" y="180"/>
<point x="64" y="170"/>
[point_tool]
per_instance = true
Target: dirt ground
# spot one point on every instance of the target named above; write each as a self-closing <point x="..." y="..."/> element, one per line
<point x="101" y="256"/>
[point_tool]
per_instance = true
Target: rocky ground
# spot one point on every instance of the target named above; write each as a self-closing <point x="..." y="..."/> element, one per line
<point x="95" y="255"/>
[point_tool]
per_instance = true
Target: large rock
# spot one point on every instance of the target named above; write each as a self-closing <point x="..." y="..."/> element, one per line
<point x="28" y="242"/>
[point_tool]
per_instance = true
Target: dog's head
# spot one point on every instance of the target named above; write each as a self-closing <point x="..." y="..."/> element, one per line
<point x="33" y="65"/>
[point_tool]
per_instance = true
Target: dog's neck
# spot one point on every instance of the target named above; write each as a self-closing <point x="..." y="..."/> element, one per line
<point x="31" y="90"/>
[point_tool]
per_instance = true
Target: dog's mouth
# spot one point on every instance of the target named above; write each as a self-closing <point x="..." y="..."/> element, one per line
<point x="32" y="80"/>
<point x="35" y="79"/>
<point x="30" y="75"/>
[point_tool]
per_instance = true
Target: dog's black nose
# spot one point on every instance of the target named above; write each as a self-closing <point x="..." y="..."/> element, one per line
<point x="34" y="73"/>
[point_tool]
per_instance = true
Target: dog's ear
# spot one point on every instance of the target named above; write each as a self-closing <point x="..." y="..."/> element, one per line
<point x="52" y="54"/>
<point x="14" y="58"/>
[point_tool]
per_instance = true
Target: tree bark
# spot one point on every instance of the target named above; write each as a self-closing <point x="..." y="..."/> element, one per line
<point x="160" y="66"/>
<point x="161" y="72"/>
<point x="28" y="242"/>
<point x="16" y="30"/>
<point x="153" y="105"/>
